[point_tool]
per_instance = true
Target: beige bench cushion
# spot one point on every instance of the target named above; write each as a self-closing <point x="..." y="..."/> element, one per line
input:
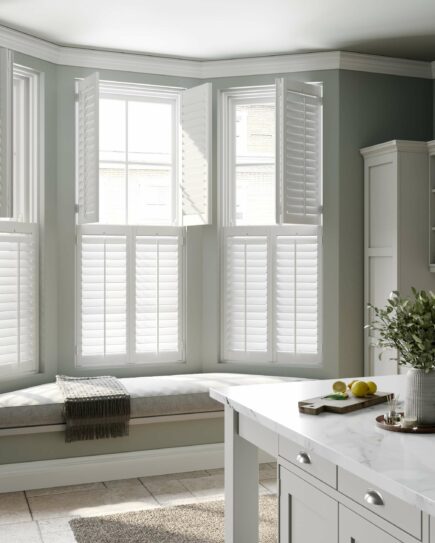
<point x="150" y="397"/>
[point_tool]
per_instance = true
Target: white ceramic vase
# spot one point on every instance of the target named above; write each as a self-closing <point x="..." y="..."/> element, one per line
<point x="420" y="396"/>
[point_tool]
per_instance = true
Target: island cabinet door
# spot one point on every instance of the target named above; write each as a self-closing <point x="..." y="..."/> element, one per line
<point x="355" y="529"/>
<point x="306" y="513"/>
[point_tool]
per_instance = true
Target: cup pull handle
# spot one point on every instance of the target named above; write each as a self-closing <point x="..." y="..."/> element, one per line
<point x="303" y="458"/>
<point x="373" y="498"/>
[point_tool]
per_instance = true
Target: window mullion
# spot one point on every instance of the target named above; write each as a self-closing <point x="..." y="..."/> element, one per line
<point x="18" y="304"/>
<point x="271" y="282"/>
<point x="131" y="294"/>
<point x="157" y="296"/>
<point x="104" y="296"/>
<point x="126" y="163"/>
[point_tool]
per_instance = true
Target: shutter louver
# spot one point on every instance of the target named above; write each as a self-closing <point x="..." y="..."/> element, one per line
<point x="103" y="327"/>
<point x="246" y="297"/>
<point x="196" y="122"/>
<point x="157" y="296"/>
<point x="299" y="161"/>
<point x="296" y="294"/>
<point x="88" y="149"/>
<point x="18" y="299"/>
<point x="6" y="113"/>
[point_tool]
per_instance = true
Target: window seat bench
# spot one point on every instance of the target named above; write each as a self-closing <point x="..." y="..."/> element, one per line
<point x="153" y="399"/>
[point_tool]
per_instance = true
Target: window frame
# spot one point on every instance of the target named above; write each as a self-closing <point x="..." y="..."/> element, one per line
<point x="32" y="192"/>
<point x="157" y="94"/>
<point x="227" y="227"/>
<point x="31" y="166"/>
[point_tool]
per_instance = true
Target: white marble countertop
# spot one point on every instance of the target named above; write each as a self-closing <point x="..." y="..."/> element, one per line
<point x="402" y="464"/>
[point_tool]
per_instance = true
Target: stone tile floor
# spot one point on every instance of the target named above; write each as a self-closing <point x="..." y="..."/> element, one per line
<point x="42" y="516"/>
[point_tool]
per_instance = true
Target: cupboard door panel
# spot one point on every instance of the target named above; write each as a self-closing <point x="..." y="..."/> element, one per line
<point x="306" y="513"/>
<point x="355" y="529"/>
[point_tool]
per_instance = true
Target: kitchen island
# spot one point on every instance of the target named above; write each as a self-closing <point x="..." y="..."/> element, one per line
<point x="341" y="479"/>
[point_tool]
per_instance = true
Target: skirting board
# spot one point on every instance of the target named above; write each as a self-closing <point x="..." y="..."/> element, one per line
<point x="93" y="469"/>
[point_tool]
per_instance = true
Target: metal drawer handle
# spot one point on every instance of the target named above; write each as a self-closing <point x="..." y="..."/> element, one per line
<point x="303" y="458"/>
<point x="374" y="498"/>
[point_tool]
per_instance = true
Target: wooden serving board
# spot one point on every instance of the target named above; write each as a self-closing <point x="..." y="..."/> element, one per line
<point x="314" y="406"/>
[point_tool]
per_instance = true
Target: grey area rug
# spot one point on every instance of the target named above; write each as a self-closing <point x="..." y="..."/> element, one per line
<point x="194" y="523"/>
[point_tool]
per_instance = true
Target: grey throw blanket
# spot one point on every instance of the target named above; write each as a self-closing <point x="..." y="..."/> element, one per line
<point x="95" y="407"/>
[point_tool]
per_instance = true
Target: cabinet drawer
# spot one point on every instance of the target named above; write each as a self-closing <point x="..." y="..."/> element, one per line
<point x="308" y="461"/>
<point x="402" y="514"/>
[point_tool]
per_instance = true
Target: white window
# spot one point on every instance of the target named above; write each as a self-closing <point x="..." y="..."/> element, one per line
<point x="271" y="270"/>
<point x="18" y="227"/>
<point x="143" y="171"/>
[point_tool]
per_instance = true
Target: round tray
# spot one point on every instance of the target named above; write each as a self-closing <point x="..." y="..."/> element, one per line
<point x="380" y="422"/>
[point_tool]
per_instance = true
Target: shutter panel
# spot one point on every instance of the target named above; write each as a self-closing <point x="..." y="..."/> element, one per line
<point x="299" y="160"/>
<point x="18" y="299"/>
<point x="88" y="149"/>
<point x="246" y="298"/>
<point x="296" y="295"/>
<point x="103" y="296"/>
<point x="6" y="113"/>
<point x="196" y="121"/>
<point x="157" y="297"/>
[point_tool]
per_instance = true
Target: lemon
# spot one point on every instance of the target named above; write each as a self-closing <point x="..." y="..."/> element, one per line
<point x="350" y="384"/>
<point x="360" y="389"/>
<point x="372" y="387"/>
<point x="339" y="386"/>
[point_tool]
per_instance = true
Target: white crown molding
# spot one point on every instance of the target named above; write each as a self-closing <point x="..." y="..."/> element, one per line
<point x="385" y="65"/>
<point x="141" y="63"/>
<point x="396" y="145"/>
<point x="270" y="65"/>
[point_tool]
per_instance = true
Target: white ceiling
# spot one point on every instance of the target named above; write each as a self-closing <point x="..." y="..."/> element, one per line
<point x="212" y="29"/>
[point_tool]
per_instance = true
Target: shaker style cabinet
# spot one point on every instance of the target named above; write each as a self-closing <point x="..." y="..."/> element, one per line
<point x="306" y="513"/>
<point x="348" y="509"/>
<point x="396" y="232"/>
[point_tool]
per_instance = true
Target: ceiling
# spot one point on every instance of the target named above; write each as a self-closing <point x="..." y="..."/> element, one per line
<point x="211" y="29"/>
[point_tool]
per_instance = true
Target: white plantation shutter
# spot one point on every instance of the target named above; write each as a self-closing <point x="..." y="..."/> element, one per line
<point x="196" y="123"/>
<point x="6" y="113"/>
<point x="130" y="295"/>
<point x="88" y="149"/>
<point x="157" y="297"/>
<point x="299" y="148"/>
<point x="246" y="298"/>
<point x="296" y="296"/>
<point x="18" y="298"/>
<point x="103" y="295"/>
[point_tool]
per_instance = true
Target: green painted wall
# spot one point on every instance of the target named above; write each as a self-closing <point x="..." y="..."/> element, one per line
<point x="374" y="108"/>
